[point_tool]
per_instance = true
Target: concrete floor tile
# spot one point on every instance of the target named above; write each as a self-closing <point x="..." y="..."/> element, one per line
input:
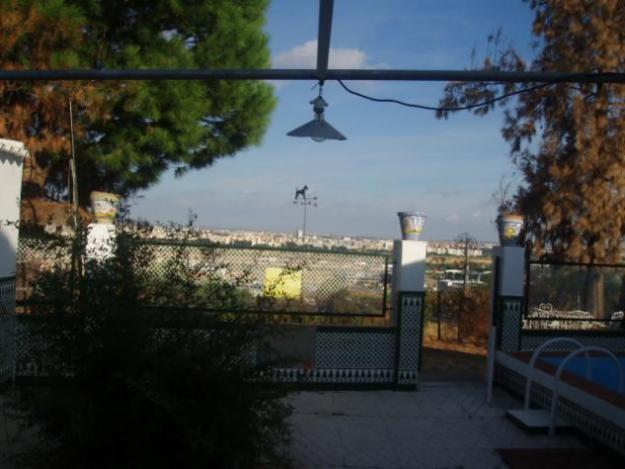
<point x="440" y="425"/>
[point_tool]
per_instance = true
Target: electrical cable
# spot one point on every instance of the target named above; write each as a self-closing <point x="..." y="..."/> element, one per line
<point x="447" y="109"/>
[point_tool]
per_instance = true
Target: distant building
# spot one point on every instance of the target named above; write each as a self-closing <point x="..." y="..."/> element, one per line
<point x="354" y="243"/>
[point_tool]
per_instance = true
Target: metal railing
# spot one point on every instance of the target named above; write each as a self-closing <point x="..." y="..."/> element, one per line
<point x="293" y="281"/>
<point x="574" y="296"/>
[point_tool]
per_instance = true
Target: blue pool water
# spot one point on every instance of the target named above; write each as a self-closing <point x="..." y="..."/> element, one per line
<point x="604" y="370"/>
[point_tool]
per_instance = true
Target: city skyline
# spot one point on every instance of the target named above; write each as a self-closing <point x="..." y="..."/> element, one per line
<point x="394" y="159"/>
<point x="279" y="239"/>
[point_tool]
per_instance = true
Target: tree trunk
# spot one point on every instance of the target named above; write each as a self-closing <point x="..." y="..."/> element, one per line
<point x="621" y="298"/>
<point x="595" y="294"/>
<point x="35" y="178"/>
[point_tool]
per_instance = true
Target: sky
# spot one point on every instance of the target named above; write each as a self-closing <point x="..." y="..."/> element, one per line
<point x="394" y="158"/>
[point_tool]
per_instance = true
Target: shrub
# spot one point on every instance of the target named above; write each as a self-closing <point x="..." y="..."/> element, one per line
<point x="128" y="387"/>
<point x="469" y="309"/>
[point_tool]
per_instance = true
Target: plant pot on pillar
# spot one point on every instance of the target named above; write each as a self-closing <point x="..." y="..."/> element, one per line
<point x="509" y="220"/>
<point x="509" y="227"/>
<point x="104" y="206"/>
<point x="411" y="224"/>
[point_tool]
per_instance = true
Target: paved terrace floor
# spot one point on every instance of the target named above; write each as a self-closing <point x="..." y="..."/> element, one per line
<point x="442" y="425"/>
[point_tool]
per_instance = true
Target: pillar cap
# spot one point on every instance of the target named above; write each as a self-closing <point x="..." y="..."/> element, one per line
<point x="14" y="147"/>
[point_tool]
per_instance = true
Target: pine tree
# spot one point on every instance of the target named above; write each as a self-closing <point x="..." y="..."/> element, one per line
<point x="129" y="133"/>
<point x="566" y="139"/>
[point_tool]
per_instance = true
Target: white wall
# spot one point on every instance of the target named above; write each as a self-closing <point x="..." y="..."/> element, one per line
<point x="409" y="266"/>
<point x="12" y="154"/>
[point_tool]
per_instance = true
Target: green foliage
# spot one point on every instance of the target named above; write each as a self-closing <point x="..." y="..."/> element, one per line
<point x="128" y="133"/>
<point x="126" y="387"/>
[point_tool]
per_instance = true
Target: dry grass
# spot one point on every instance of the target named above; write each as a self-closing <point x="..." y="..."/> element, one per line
<point x="448" y="360"/>
<point x="449" y="336"/>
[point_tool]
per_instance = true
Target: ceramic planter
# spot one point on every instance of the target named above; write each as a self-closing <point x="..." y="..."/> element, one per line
<point x="411" y="225"/>
<point x="104" y="205"/>
<point x="509" y="227"/>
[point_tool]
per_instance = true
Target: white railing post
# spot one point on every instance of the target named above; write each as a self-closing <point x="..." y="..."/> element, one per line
<point x="556" y="381"/>
<point x="534" y="358"/>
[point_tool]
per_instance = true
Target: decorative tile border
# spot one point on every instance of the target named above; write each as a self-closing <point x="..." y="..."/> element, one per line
<point x="388" y="357"/>
<point x="531" y="341"/>
<point x="331" y="375"/>
<point x="509" y="316"/>
<point x="410" y="337"/>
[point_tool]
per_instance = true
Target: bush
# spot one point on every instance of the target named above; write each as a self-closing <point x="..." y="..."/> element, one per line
<point x="469" y="309"/>
<point x="128" y="387"/>
<point x="474" y="322"/>
<point x="352" y="301"/>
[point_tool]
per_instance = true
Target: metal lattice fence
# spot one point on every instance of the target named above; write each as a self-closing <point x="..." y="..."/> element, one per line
<point x="36" y="256"/>
<point x="8" y="328"/>
<point x="359" y="343"/>
<point x="570" y="296"/>
<point x="224" y="279"/>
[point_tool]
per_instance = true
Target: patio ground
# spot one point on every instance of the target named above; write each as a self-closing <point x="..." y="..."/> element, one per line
<point x="442" y="425"/>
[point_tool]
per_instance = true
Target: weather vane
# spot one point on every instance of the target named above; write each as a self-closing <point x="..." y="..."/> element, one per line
<point x="301" y="192"/>
<point x="304" y="201"/>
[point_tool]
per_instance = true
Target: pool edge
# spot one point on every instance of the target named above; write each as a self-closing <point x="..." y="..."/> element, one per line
<point x="602" y="420"/>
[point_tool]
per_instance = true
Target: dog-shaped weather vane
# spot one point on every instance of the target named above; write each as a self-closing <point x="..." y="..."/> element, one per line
<point x="301" y="192"/>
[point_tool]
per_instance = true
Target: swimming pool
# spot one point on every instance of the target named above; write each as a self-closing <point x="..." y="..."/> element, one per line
<point x="604" y="371"/>
<point x="592" y="406"/>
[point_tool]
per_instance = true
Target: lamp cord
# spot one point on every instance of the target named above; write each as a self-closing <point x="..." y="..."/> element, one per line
<point x="448" y="109"/>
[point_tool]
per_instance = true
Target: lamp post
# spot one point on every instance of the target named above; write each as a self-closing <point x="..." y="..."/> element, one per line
<point x="305" y="201"/>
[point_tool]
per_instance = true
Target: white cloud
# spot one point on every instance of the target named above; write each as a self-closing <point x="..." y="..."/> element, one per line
<point x="305" y="56"/>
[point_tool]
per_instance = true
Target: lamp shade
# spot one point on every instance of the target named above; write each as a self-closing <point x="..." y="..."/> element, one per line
<point x="317" y="129"/>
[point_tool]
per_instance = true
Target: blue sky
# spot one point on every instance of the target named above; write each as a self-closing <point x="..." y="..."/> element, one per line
<point x="395" y="158"/>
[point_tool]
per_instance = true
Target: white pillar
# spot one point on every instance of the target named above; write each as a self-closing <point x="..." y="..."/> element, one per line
<point x="409" y="301"/>
<point x="409" y="266"/>
<point x="511" y="270"/>
<point x="507" y="305"/>
<point x="12" y="154"/>
<point x="509" y="297"/>
<point x="101" y="239"/>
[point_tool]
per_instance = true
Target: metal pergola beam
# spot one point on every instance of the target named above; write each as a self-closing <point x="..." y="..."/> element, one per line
<point x="323" y="36"/>
<point x="306" y="74"/>
<point x="321" y="73"/>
